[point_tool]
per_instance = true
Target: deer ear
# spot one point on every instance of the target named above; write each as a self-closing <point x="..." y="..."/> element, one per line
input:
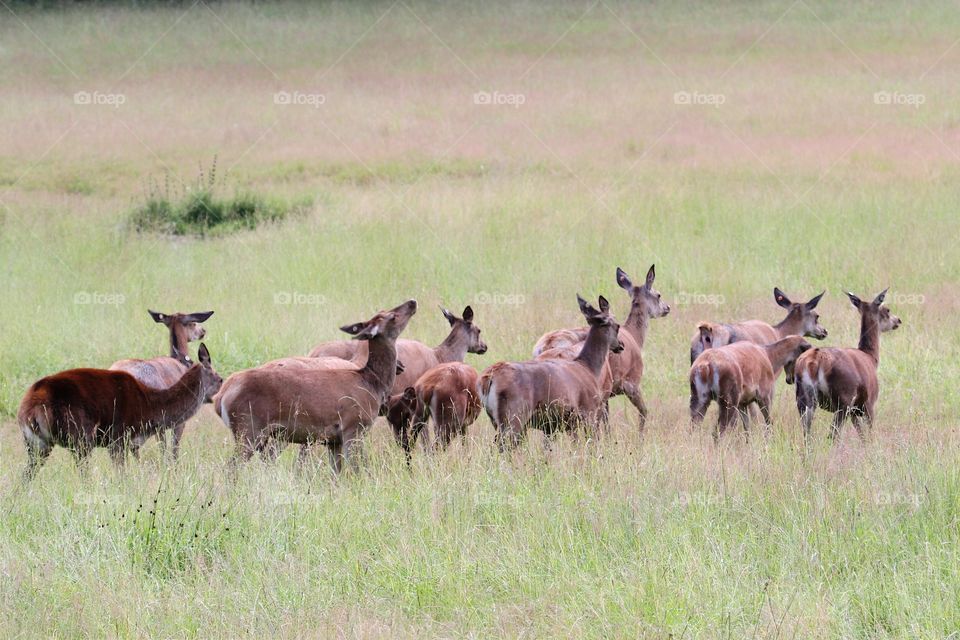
<point x="203" y="355"/>
<point x="813" y="302"/>
<point x="468" y="313"/>
<point x="604" y="304"/>
<point x="651" y="274"/>
<point x="623" y="280"/>
<point x="162" y="318"/>
<point x="879" y="299"/>
<point x="585" y="307"/>
<point x="449" y="316"/>
<point x="854" y="299"/>
<point x="781" y="298"/>
<point x="353" y="329"/>
<point x="199" y="316"/>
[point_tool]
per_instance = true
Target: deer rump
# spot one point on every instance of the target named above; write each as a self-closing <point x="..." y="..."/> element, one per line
<point x="549" y="395"/>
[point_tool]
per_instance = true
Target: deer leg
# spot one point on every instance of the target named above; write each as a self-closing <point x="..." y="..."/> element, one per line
<point x="509" y="433"/>
<point x="838" y="417"/>
<point x="177" y="435"/>
<point x="728" y="413"/>
<point x="632" y="391"/>
<point x="807" y="406"/>
<point x="698" y="407"/>
<point x="335" y="451"/>
<point x="37" y="453"/>
<point x="744" y="412"/>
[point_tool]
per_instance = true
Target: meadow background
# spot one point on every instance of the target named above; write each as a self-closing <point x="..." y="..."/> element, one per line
<point x="507" y="156"/>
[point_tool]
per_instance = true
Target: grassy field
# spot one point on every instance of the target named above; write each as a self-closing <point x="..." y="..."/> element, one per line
<point x="507" y="156"/>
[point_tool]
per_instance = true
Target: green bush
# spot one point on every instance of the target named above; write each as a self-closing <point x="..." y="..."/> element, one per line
<point x="199" y="210"/>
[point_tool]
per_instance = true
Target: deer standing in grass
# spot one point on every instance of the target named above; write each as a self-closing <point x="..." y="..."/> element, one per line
<point x="304" y="406"/>
<point x="625" y="367"/>
<point x="844" y="381"/>
<point x="738" y="375"/>
<point x="801" y="320"/>
<point x="85" y="408"/>
<point x="552" y="395"/>
<point x="162" y="372"/>
<point x="447" y="393"/>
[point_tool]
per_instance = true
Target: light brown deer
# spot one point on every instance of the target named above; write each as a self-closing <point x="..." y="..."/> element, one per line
<point x="85" y="408"/>
<point x="417" y="358"/>
<point x="303" y="406"/>
<point x="554" y="394"/>
<point x="626" y="367"/>
<point x="801" y="320"/>
<point x="162" y="372"/>
<point x="738" y="375"/>
<point x="844" y="381"/>
<point x="447" y="393"/>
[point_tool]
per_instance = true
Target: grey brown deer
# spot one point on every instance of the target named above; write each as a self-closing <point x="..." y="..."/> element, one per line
<point x="304" y="406"/>
<point x="844" y="381"/>
<point x="555" y="394"/>
<point x="625" y="367"/>
<point x="164" y="371"/>
<point x="738" y="375"/>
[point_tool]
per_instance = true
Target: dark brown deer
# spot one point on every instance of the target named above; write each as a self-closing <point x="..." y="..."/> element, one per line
<point x="417" y="358"/>
<point x="801" y="320"/>
<point x="552" y="395"/>
<point x="447" y="393"/>
<point x="844" y="381"/>
<point x="85" y="408"/>
<point x="162" y="372"/>
<point x="303" y="406"/>
<point x="626" y="367"/>
<point x="738" y="375"/>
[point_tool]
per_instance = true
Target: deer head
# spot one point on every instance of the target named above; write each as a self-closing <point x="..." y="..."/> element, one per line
<point x="645" y="301"/>
<point x="802" y="314"/>
<point x="602" y="320"/>
<point x="464" y="326"/>
<point x="387" y="324"/>
<point x="874" y="313"/>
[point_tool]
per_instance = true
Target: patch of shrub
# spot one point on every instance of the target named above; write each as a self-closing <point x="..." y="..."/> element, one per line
<point x="198" y="209"/>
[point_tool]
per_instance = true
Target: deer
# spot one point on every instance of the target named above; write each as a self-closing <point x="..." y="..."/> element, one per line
<point x="553" y="394"/>
<point x="801" y="320"/>
<point x="625" y="367"/>
<point x="81" y="409"/>
<point x="162" y="372"/>
<point x="738" y="375"/>
<point x="447" y="393"/>
<point x="304" y="406"/>
<point x="844" y="380"/>
<point x="417" y="358"/>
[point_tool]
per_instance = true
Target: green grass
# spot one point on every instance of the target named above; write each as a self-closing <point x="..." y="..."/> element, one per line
<point x="405" y="188"/>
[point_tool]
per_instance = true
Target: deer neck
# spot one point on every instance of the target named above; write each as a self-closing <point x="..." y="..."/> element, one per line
<point x="179" y="344"/>
<point x="454" y="346"/>
<point x="180" y="401"/>
<point x="636" y="324"/>
<point x="790" y="326"/>
<point x="594" y="351"/>
<point x="380" y="371"/>
<point x="870" y="337"/>
<point x="779" y="352"/>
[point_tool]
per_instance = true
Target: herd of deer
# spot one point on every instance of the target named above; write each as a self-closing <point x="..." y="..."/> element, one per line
<point x="335" y="393"/>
